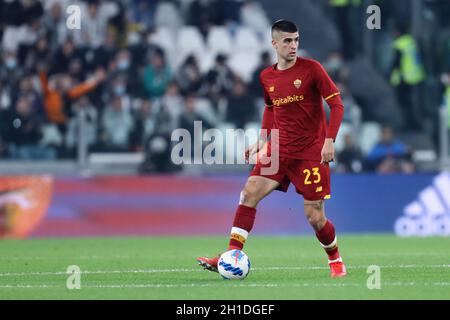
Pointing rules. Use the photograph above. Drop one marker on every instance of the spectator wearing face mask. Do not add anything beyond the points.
(116, 126)
(122, 66)
(118, 88)
(157, 75)
(10, 70)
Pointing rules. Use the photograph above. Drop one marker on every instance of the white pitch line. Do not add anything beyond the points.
(218, 284)
(58, 273)
(49, 273)
(67, 258)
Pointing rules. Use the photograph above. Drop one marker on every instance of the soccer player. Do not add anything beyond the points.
(293, 91)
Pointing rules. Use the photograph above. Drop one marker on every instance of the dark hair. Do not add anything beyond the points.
(284, 26)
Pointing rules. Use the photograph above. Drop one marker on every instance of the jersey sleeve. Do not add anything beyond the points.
(267, 100)
(324, 84)
(268, 118)
(331, 94)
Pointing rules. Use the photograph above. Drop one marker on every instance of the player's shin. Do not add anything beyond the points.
(242, 225)
(328, 240)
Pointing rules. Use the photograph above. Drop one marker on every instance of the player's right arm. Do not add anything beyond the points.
(266, 126)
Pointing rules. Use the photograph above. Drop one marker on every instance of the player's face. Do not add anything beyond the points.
(286, 44)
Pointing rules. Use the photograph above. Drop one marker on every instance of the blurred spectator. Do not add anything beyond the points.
(90, 126)
(59, 95)
(32, 56)
(12, 13)
(10, 70)
(118, 87)
(350, 159)
(55, 24)
(444, 52)
(143, 13)
(26, 89)
(22, 132)
(353, 113)
(145, 121)
(116, 126)
(407, 75)
(219, 80)
(348, 18)
(123, 66)
(336, 67)
(96, 15)
(66, 53)
(201, 14)
(189, 76)
(24, 26)
(227, 12)
(158, 155)
(31, 10)
(265, 62)
(172, 103)
(104, 55)
(190, 115)
(157, 75)
(240, 107)
(445, 79)
(390, 154)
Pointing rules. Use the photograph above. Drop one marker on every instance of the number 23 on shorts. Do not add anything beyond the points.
(315, 175)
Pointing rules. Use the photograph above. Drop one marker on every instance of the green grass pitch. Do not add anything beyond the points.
(165, 268)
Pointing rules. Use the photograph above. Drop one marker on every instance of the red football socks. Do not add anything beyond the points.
(242, 225)
(328, 240)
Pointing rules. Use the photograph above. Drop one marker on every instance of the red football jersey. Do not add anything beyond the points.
(294, 105)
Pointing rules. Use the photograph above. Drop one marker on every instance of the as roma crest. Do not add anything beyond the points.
(297, 83)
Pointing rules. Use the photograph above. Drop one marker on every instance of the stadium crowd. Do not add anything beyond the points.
(138, 69)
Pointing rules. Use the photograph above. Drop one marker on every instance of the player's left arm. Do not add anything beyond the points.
(331, 94)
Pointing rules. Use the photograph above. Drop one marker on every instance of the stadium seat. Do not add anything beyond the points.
(164, 37)
(189, 40)
(168, 15)
(244, 63)
(219, 40)
(206, 61)
(246, 40)
(370, 135)
(267, 44)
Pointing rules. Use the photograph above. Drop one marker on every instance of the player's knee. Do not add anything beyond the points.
(315, 215)
(317, 221)
(248, 197)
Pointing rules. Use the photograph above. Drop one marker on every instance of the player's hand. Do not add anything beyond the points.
(99, 75)
(327, 151)
(253, 150)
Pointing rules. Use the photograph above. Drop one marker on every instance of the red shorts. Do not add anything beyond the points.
(310, 178)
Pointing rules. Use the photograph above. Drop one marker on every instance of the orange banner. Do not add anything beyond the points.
(24, 201)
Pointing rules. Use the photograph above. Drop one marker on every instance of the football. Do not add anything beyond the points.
(234, 265)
